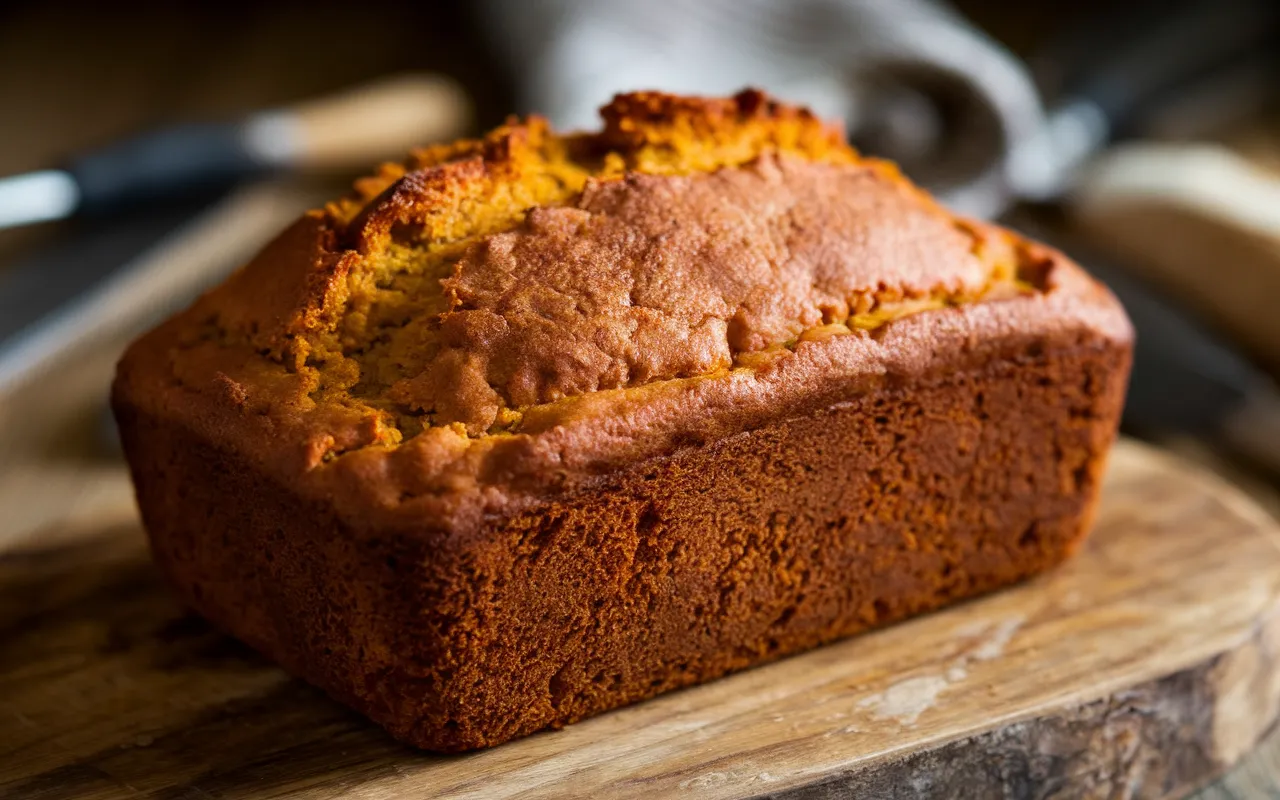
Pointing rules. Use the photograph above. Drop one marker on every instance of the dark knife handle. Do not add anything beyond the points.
(177, 162)
(336, 133)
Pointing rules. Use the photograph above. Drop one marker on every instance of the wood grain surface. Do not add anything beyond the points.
(1143, 668)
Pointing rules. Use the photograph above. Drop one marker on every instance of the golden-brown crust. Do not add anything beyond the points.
(442, 471)
(664, 573)
(502, 336)
(373, 293)
(484, 280)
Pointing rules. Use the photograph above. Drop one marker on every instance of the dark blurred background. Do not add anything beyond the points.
(75, 75)
(1141, 137)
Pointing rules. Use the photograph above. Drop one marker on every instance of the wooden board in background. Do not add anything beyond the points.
(1147, 664)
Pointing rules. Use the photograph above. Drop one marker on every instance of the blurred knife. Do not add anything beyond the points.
(350, 130)
(63, 293)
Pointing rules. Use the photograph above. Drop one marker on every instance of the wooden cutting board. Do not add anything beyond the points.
(1142, 668)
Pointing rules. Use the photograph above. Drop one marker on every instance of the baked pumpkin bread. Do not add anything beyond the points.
(535, 426)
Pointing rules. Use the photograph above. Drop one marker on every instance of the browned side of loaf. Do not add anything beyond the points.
(684, 568)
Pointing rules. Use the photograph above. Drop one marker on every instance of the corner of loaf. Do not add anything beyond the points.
(537, 425)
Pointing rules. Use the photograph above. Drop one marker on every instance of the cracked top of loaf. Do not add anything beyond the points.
(513, 313)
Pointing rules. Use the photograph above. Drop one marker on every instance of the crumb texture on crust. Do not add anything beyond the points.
(481, 279)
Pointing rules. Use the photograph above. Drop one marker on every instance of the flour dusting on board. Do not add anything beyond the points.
(906, 700)
(999, 639)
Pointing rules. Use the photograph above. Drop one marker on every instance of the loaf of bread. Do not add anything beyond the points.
(535, 426)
